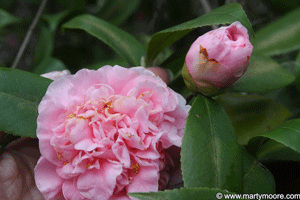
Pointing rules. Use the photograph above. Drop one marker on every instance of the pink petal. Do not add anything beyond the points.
(47, 180)
(146, 180)
(118, 77)
(70, 190)
(121, 152)
(99, 184)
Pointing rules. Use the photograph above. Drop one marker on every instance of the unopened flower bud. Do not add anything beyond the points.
(217, 59)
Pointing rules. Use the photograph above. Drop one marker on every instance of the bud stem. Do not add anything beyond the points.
(190, 97)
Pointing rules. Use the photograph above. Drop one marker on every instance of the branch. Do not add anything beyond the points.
(207, 9)
(28, 34)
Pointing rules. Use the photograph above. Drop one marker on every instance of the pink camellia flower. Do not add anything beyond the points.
(105, 133)
(218, 58)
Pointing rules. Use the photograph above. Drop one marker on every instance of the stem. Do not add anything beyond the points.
(230, 1)
(154, 17)
(189, 98)
(28, 34)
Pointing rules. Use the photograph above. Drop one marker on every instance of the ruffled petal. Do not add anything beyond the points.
(70, 190)
(99, 184)
(146, 180)
(47, 180)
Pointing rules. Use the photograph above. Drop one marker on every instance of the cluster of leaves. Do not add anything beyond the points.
(220, 132)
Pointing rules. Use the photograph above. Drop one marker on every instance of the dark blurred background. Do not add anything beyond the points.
(142, 18)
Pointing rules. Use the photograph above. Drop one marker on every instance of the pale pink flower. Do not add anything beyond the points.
(104, 133)
(220, 57)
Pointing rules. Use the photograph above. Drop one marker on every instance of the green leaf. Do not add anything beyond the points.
(287, 134)
(287, 96)
(263, 75)
(272, 151)
(20, 94)
(298, 57)
(280, 36)
(182, 194)
(43, 48)
(117, 11)
(120, 41)
(222, 15)
(256, 177)
(54, 19)
(6, 18)
(111, 62)
(252, 114)
(210, 154)
(49, 64)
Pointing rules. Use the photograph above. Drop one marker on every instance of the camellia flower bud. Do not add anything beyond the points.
(161, 73)
(217, 59)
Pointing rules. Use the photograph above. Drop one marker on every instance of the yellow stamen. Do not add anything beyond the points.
(107, 105)
(80, 117)
(135, 168)
(72, 116)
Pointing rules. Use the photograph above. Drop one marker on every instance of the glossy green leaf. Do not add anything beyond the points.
(49, 64)
(287, 134)
(43, 48)
(280, 36)
(256, 177)
(272, 151)
(120, 41)
(210, 154)
(222, 15)
(263, 75)
(117, 11)
(20, 94)
(54, 19)
(6, 18)
(182, 194)
(252, 114)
